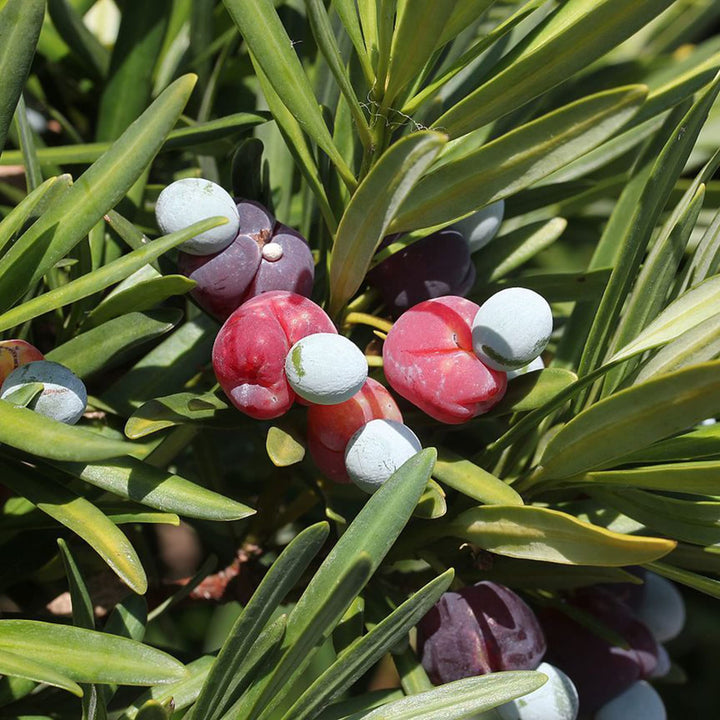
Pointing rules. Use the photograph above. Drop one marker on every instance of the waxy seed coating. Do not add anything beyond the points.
(377, 450)
(481, 227)
(325, 368)
(639, 702)
(511, 328)
(190, 200)
(63, 398)
(556, 699)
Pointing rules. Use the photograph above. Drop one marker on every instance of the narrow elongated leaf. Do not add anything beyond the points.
(157, 488)
(193, 136)
(137, 48)
(373, 207)
(706, 585)
(366, 651)
(83, 518)
(181, 693)
(701, 477)
(223, 681)
(536, 533)
(516, 160)
(474, 482)
(89, 656)
(370, 534)
(533, 390)
(693, 521)
(463, 14)
(347, 12)
(577, 34)
(462, 698)
(20, 23)
(632, 419)
(27, 430)
(692, 308)
(110, 343)
(82, 607)
(141, 296)
(94, 193)
(270, 45)
(636, 229)
(102, 277)
(15, 665)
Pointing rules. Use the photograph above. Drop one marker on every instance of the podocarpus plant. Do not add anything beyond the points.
(352, 122)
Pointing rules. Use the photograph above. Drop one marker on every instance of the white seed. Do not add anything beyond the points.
(662, 608)
(63, 398)
(377, 450)
(481, 227)
(190, 200)
(325, 369)
(536, 364)
(272, 251)
(639, 702)
(557, 699)
(511, 328)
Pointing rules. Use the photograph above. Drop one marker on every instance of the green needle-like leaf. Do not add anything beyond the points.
(88, 656)
(373, 207)
(20, 23)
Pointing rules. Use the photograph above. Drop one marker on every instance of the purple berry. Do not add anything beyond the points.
(432, 267)
(599, 669)
(480, 629)
(286, 264)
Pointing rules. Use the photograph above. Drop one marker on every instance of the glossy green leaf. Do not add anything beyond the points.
(699, 344)
(101, 278)
(26, 139)
(283, 448)
(536, 533)
(461, 698)
(153, 710)
(23, 395)
(88, 49)
(223, 682)
(87, 655)
(165, 368)
(130, 78)
(16, 665)
(141, 296)
(20, 23)
(83, 518)
(82, 607)
(105, 346)
(693, 521)
(347, 12)
(94, 193)
(578, 33)
(463, 14)
(27, 430)
(366, 651)
(509, 252)
(532, 390)
(431, 504)
(208, 409)
(192, 136)
(516, 160)
(635, 229)
(632, 419)
(709, 586)
(372, 208)
(182, 693)
(157, 488)
(471, 480)
(689, 310)
(28, 207)
(370, 535)
(269, 43)
(701, 477)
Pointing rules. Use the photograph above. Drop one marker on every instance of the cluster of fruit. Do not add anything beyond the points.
(54, 390)
(445, 354)
(488, 628)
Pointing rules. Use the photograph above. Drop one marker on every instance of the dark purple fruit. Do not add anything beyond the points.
(432, 267)
(599, 669)
(480, 629)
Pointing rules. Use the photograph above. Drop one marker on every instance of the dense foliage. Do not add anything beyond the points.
(170, 541)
